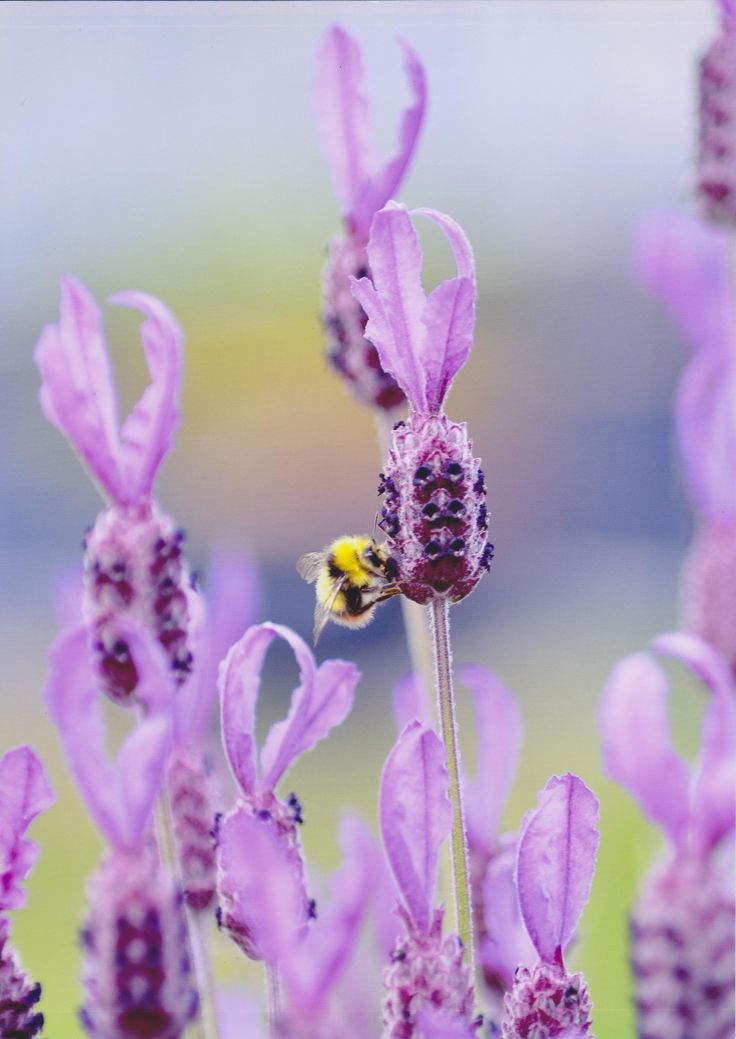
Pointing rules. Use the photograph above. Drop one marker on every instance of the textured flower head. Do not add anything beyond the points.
(716, 178)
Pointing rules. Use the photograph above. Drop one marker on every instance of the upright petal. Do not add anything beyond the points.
(411, 703)
(25, 792)
(637, 750)
(499, 732)
(556, 862)
(120, 797)
(416, 816)
(148, 432)
(77, 392)
(506, 944)
(316, 708)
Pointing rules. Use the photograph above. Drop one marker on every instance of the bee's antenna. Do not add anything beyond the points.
(375, 524)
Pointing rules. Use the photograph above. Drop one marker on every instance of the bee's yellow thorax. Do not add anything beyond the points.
(347, 555)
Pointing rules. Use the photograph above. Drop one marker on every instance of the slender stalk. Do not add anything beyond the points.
(439, 618)
(273, 1000)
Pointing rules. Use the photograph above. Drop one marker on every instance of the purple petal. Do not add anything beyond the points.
(507, 944)
(148, 432)
(500, 731)
(68, 596)
(267, 895)
(238, 1015)
(319, 962)
(556, 862)
(395, 301)
(25, 792)
(77, 392)
(637, 749)
(416, 816)
(316, 708)
(411, 702)
(119, 798)
(440, 1024)
(342, 118)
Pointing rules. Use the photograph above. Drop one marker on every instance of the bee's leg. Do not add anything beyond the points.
(388, 592)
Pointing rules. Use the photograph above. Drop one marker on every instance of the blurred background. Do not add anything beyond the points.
(171, 147)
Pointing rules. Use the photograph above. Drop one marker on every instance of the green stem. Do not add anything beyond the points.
(273, 1000)
(439, 617)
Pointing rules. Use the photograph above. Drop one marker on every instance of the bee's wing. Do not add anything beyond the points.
(323, 610)
(309, 565)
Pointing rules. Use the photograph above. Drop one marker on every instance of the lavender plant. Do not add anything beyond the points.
(716, 176)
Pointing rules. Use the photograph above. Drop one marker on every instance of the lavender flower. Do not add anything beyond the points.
(362, 189)
(427, 976)
(682, 926)
(25, 792)
(554, 872)
(716, 179)
(434, 513)
(133, 560)
(685, 264)
(136, 972)
(322, 701)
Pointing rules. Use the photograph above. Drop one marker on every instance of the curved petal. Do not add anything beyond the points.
(316, 708)
(25, 792)
(416, 816)
(120, 797)
(556, 862)
(410, 702)
(148, 432)
(77, 392)
(507, 944)
(637, 750)
(500, 733)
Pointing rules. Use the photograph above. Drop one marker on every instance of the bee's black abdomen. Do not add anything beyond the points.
(354, 600)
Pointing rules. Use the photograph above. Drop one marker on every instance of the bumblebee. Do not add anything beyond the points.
(352, 576)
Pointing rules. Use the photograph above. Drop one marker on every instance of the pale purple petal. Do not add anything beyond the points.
(319, 962)
(637, 750)
(119, 797)
(68, 596)
(316, 708)
(499, 732)
(411, 702)
(439, 1024)
(267, 896)
(556, 862)
(148, 432)
(416, 816)
(343, 118)
(25, 792)
(507, 944)
(239, 1015)
(395, 301)
(77, 392)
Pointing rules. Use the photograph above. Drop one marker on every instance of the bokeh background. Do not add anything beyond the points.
(171, 147)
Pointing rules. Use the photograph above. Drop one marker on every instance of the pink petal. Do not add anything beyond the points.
(637, 749)
(343, 118)
(507, 944)
(316, 708)
(500, 732)
(77, 392)
(25, 792)
(440, 1024)
(411, 702)
(556, 862)
(416, 816)
(148, 432)
(120, 797)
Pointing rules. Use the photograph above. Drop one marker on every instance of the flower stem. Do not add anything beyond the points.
(439, 617)
(273, 1000)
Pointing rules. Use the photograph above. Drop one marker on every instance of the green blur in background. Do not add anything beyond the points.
(171, 147)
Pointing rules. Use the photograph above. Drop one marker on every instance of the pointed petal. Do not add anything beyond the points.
(637, 750)
(500, 732)
(507, 944)
(148, 432)
(77, 392)
(395, 301)
(316, 708)
(411, 702)
(556, 862)
(343, 118)
(383, 185)
(416, 816)
(119, 797)
(25, 792)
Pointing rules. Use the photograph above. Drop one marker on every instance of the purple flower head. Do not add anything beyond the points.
(716, 178)
(434, 513)
(682, 925)
(133, 562)
(427, 972)
(19, 996)
(684, 263)
(322, 700)
(362, 189)
(555, 865)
